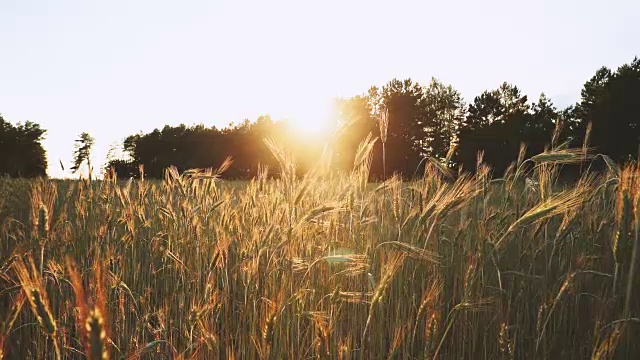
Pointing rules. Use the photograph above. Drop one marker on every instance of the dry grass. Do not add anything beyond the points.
(324, 266)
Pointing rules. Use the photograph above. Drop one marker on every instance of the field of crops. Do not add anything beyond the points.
(324, 266)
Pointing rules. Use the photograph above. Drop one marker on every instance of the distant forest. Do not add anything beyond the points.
(423, 121)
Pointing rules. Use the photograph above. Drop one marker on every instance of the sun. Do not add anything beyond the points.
(312, 125)
(308, 127)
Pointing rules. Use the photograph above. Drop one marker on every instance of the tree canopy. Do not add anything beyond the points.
(22, 154)
(82, 151)
(609, 101)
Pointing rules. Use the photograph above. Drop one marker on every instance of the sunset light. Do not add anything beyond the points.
(315, 125)
(286, 179)
(310, 128)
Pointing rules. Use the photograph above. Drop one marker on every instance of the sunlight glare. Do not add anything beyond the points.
(316, 124)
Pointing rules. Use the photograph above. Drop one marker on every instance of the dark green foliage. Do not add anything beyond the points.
(610, 102)
(422, 122)
(499, 121)
(82, 152)
(21, 151)
(198, 147)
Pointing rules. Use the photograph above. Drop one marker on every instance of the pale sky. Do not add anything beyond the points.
(113, 68)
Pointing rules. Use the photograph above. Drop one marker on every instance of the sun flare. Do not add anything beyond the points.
(312, 126)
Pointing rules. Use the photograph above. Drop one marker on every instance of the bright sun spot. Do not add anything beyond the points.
(316, 125)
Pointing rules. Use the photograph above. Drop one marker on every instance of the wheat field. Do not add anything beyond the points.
(325, 266)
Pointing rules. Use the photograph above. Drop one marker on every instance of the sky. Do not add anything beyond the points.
(114, 68)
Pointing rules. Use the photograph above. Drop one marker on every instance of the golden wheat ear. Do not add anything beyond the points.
(97, 335)
(33, 287)
(82, 309)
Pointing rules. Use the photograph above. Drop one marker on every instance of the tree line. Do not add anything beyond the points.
(413, 121)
